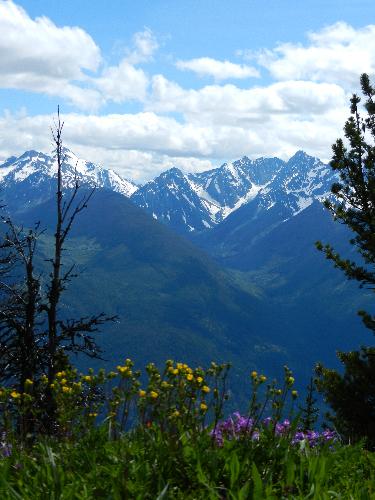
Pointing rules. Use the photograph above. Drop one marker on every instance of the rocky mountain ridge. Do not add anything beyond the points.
(188, 203)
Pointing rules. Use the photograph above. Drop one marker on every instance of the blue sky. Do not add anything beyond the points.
(151, 84)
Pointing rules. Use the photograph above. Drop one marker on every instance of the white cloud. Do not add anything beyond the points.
(338, 53)
(146, 132)
(187, 164)
(136, 146)
(39, 56)
(219, 70)
(139, 146)
(39, 46)
(121, 83)
(231, 105)
(125, 81)
(145, 45)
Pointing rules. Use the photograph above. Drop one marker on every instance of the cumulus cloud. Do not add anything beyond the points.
(136, 146)
(338, 53)
(139, 146)
(66, 62)
(44, 59)
(219, 70)
(43, 47)
(122, 82)
(125, 81)
(229, 104)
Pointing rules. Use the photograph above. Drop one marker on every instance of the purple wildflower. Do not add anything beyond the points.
(5, 447)
(238, 426)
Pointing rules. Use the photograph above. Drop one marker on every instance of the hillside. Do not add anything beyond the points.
(172, 300)
(256, 293)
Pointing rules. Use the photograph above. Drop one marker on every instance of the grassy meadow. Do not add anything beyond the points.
(169, 436)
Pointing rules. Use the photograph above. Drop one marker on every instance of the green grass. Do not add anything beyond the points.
(147, 465)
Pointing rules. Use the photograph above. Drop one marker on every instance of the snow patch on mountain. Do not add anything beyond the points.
(37, 168)
(171, 198)
(250, 195)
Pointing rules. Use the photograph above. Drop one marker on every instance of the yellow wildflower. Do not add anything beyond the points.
(63, 381)
(176, 413)
(206, 389)
(204, 407)
(28, 382)
(290, 380)
(66, 389)
(154, 394)
(60, 374)
(254, 374)
(262, 378)
(93, 414)
(199, 380)
(142, 393)
(15, 394)
(294, 394)
(189, 377)
(87, 378)
(175, 371)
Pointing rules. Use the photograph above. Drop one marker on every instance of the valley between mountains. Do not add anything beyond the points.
(217, 265)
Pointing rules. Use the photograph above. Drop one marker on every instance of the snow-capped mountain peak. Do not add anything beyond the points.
(195, 202)
(29, 179)
(171, 198)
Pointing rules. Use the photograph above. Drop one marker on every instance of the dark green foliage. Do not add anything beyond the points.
(352, 395)
(354, 195)
(309, 412)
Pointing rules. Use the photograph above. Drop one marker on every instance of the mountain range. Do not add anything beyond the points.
(196, 202)
(213, 265)
(188, 203)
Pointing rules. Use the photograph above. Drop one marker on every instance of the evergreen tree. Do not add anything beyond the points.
(354, 203)
(352, 395)
(309, 412)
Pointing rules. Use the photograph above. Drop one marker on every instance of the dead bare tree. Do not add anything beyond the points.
(35, 339)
